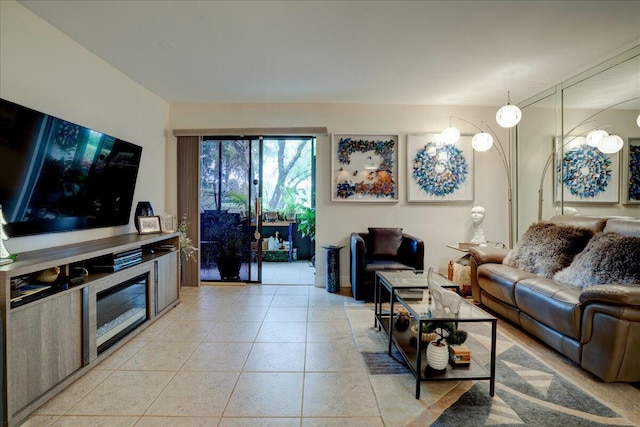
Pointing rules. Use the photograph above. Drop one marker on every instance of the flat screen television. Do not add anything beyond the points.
(59, 176)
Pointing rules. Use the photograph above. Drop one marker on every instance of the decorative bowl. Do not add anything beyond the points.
(426, 337)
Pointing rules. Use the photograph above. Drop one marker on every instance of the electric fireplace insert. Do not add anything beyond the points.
(120, 310)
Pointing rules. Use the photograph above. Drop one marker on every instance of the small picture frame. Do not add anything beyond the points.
(168, 223)
(149, 224)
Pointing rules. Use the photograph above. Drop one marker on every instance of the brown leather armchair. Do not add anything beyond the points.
(381, 249)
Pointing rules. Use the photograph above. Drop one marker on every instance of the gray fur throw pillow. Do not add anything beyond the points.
(609, 258)
(546, 248)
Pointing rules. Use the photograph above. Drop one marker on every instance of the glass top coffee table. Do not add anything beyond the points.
(387, 282)
(410, 297)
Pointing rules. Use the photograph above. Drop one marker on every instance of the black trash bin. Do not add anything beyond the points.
(333, 267)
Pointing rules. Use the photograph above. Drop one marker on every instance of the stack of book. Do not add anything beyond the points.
(459, 355)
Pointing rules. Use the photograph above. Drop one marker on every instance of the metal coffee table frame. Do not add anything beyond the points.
(413, 281)
(392, 281)
(402, 288)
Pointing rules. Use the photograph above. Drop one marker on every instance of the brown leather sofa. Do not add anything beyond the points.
(597, 327)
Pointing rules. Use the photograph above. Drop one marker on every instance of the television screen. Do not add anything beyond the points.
(59, 176)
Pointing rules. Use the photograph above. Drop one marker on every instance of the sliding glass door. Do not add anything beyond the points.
(243, 182)
(228, 188)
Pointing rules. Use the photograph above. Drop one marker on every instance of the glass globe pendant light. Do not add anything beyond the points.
(572, 143)
(610, 144)
(509, 115)
(595, 136)
(451, 135)
(481, 141)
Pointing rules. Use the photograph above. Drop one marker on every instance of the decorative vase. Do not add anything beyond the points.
(142, 209)
(229, 266)
(437, 355)
(168, 223)
(402, 321)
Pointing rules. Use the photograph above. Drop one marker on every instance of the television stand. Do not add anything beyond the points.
(51, 336)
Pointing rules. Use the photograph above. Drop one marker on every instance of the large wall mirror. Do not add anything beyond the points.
(560, 167)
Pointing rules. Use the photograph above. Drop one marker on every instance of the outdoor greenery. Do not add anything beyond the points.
(307, 222)
(226, 184)
(291, 183)
(233, 170)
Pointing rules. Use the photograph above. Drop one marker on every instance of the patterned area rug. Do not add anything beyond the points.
(528, 392)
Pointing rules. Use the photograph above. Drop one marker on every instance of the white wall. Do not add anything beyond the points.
(437, 224)
(43, 69)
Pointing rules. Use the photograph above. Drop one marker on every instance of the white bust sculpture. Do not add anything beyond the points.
(477, 217)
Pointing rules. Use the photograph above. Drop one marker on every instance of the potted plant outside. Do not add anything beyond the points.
(227, 234)
(307, 222)
(291, 207)
(307, 225)
(240, 200)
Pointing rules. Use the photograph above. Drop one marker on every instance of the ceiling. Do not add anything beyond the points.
(372, 52)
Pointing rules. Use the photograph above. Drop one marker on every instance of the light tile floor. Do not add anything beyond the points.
(229, 356)
(260, 355)
(288, 273)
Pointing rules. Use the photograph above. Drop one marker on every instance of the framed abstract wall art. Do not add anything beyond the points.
(587, 175)
(438, 172)
(364, 168)
(631, 171)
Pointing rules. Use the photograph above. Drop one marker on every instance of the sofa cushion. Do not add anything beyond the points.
(382, 265)
(385, 242)
(498, 280)
(608, 258)
(546, 248)
(550, 303)
(595, 223)
(626, 227)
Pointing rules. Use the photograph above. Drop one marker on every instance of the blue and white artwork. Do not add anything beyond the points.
(439, 172)
(632, 169)
(588, 175)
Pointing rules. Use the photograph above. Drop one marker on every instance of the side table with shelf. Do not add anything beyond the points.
(289, 225)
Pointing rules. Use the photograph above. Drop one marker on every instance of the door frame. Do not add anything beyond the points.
(188, 173)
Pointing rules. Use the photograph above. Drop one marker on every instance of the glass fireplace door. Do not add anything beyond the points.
(121, 309)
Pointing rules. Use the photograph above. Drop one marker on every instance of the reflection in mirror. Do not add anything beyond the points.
(535, 136)
(595, 180)
(579, 178)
